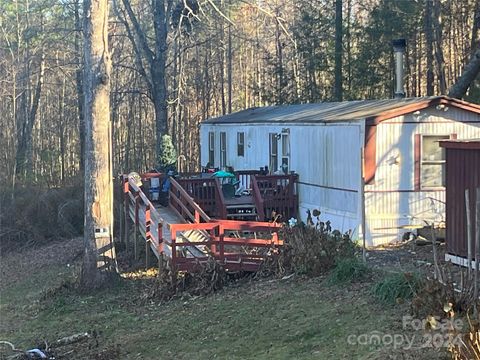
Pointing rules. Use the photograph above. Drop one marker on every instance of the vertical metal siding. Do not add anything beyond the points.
(463, 172)
(327, 155)
(392, 201)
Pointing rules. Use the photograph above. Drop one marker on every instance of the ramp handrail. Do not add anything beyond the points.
(234, 244)
(219, 237)
(180, 200)
(135, 196)
(257, 197)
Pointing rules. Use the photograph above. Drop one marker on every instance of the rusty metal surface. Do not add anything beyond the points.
(334, 111)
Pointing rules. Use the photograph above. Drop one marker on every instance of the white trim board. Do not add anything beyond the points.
(459, 260)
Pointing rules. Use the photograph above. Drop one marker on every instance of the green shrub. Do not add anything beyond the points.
(397, 287)
(349, 270)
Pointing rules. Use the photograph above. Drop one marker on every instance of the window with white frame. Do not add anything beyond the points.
(223, 149)
(285, 152)
(432, 166)
(240, 144)
(211, 148)
(273, 145)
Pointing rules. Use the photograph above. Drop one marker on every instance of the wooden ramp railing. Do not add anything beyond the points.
(235, 244)
(224, 247)
(145, 218)
(184, 204)
(206, 192)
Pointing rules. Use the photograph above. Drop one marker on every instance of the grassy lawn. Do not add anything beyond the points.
(295, 318)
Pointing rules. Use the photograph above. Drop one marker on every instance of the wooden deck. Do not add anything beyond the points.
(269, 194)
(185, 234)
(240, 200)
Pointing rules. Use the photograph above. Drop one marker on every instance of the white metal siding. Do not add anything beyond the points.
(329, 156)
(395, 203)
(325, 156)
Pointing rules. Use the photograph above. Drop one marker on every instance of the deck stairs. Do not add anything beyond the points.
(246, 212)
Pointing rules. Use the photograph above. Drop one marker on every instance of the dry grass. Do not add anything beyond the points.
(308, 250)
(468, 348)
(299, 318)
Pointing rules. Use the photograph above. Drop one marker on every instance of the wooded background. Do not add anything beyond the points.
(176, 63)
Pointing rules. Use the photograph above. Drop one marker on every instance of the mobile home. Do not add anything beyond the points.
(392, 144)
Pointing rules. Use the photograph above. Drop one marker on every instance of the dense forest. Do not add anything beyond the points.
(177, 62)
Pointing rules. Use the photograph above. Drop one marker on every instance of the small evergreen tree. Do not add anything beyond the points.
(168, 157)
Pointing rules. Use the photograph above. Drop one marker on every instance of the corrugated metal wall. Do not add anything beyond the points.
(327, 157)
(392, 201)
(463, 172)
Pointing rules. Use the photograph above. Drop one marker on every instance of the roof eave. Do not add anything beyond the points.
(441, 100)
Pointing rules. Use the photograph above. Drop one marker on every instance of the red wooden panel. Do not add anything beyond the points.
(370, 154)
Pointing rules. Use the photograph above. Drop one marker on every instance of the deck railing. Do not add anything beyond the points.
(143, 214)
(207, 193)
(258, 199)
(184, 204)
(224, 247)
(245, 177)
(270, 193)
(279, 194)
(219, 237)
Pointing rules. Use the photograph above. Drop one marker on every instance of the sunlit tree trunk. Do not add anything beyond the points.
(338, 88)
(429, 46)
(99, 249)
(439, 47)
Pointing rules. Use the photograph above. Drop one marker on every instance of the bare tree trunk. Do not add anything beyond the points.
(475, 28)
(156, 60)
(157, 71)
(79, 85)
(439, 47)
(99, 249)
(229, 67)
(470, 72)
(24, 158)
(349, 47)
(279, 64)
(338, 89)
(429, 46)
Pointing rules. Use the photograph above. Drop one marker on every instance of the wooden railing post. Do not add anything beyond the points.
(220, 203)
(148, 235)
(137, 206)
(275, 238)
(160, 247)
(257, 197)
(126, 210)
(213, 246)
(160, 235)
(221, 233)
(173, 245)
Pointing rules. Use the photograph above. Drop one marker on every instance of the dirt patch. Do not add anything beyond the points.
(406, 256)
